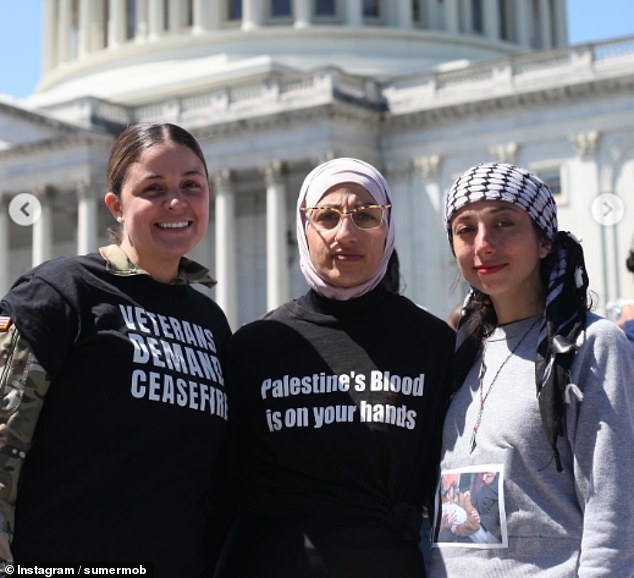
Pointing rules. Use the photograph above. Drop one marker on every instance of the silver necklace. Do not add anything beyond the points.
(484, 395)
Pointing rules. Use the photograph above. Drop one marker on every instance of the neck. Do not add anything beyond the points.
(508, 312)
(163, 271)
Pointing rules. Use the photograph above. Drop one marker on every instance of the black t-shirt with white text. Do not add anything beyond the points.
(336, 412)
(124, 455)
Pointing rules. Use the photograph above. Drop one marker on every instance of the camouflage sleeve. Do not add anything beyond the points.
(23, 385)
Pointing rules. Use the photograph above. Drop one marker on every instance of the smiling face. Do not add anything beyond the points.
(346, 256)
(163, 207)
(499, 252)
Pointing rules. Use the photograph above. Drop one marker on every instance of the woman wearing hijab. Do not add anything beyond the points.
(547, 401)
(335, 400)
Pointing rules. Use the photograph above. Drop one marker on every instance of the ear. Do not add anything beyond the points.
(113, 203)
(545, 247)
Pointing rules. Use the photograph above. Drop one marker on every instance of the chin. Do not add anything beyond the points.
(346, 284)
(177, 251)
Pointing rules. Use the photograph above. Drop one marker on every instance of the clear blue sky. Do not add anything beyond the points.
(21, 24)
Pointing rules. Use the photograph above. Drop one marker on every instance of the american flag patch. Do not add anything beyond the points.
(5, 322)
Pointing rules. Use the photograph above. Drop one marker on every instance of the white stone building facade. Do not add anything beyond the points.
(421, 88)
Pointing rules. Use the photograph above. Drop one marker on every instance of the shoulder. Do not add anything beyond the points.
(50, 279)
(266, 324)
(602, 332)
(412, 313)
(276, 330)
(205, 308)
(199, 298)
(74, 264)
(61, 267)
(603, 344)
(62, 271)
(283, 312)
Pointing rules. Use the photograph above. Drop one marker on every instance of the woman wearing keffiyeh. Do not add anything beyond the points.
(544, 394)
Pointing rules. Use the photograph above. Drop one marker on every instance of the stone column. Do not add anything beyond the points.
(156, 19)
(86, 219)
(5, 274)
(63, 31)
(225, 247)
(491, 20)
(452, 23)
(116, 23)
(203, 17)
(301, 10)
(251, 14)
(467, 17)
(43, 230)
(276, 232)
(175, 16)
(404, 14)
(49, 36)
(142, 24)
(427, 229)
(524, 23)
(545, 20)
(354, 16)
(87, 18)
(431, 16)
(561, 24)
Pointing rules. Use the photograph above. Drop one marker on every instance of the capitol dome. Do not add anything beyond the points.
(121, 50)
(422, 89)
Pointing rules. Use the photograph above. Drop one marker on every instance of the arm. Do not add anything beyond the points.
(602, 438)
(487, 504)
(628, 327)
(23, 385)
(472, 523)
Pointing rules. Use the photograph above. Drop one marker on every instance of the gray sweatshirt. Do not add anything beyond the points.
(578, 522)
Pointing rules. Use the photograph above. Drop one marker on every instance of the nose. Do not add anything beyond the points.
(346, 229)
(175, 199)
(483, 241)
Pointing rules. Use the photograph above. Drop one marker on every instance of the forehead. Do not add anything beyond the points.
(484, 208)
(158, 151)
(346, 194)
(163, 159)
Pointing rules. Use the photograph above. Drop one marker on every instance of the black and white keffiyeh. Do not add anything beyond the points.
(504, 182)
(566, 286)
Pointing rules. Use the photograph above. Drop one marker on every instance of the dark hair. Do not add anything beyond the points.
(139, 137)
(453, 319)
(629, 262)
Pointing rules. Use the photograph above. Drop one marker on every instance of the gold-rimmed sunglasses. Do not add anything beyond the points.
(364, 217)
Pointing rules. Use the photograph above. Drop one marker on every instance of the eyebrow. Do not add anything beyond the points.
(340, 206)
(492, 210)
(192, 172)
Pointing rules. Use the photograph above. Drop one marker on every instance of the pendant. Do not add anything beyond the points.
(473, 442)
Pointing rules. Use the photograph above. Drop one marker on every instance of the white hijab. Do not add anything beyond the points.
(316, 184)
